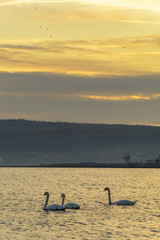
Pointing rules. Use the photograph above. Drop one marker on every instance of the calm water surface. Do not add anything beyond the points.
(21, 202)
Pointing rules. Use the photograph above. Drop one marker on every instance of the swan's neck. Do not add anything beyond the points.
(63, 199)
(45, 205)
(109, 197)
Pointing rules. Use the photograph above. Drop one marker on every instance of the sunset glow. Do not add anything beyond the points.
(85, 40)
(124, 98)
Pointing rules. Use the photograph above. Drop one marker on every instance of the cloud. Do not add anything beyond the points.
(50, 85)
(122, 97)
(86, 12)
(111, 56)
(87, 40)
(100, 14)
(62, 97)
(9, 3)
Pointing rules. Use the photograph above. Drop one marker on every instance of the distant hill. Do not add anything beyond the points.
(36, 142)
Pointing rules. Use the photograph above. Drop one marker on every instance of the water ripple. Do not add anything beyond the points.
(22, 215)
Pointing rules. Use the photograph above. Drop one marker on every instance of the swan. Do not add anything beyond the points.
(53, 207)
(69, 205)
(120, 202)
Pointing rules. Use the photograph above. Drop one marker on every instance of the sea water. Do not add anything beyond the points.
(22, 200)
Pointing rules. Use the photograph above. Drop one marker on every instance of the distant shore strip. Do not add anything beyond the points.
(91, 165)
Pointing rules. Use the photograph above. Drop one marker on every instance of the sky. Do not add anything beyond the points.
(91, 61)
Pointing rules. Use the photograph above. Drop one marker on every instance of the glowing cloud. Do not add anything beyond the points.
(122, 97)
(42, 1)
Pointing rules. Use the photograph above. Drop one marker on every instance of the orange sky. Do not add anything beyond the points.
(84, 37)
(89, 39)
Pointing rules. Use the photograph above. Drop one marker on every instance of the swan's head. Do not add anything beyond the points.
(107, 188)
(46, 193)
(62, 195)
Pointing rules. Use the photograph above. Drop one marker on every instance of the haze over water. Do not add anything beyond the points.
(22, 215)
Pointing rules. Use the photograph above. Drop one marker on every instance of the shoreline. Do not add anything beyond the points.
(88, 165)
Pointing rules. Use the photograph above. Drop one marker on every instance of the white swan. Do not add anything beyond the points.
(69, 205)
(120, 202)
(53, 207)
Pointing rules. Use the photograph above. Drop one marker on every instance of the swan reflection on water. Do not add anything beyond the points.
(69, 205)
(53, 207)
(120, 202)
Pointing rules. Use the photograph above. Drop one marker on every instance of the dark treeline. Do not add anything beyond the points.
(36, 142)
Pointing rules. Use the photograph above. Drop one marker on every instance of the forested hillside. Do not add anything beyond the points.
(34, 142)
